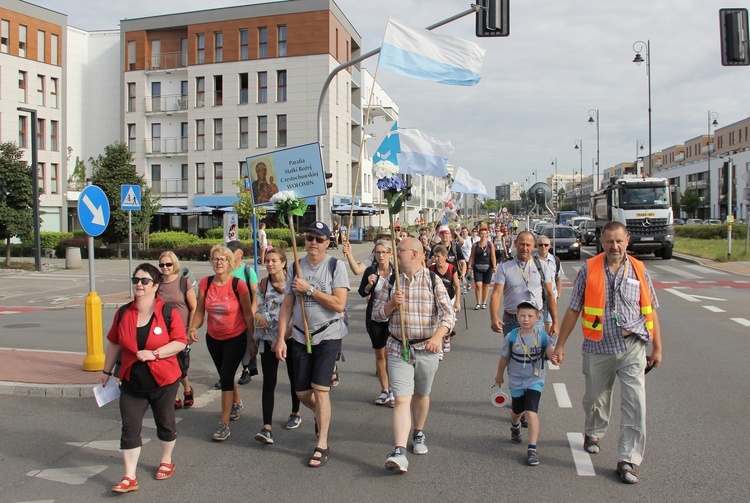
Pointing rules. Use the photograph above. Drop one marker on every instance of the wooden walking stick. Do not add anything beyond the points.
(300, 294)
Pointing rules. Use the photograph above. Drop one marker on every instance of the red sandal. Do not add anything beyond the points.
(126, 485)
(177, 404)
(189, 400)
(165, 471)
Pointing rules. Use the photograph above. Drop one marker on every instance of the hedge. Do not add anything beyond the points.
(710, 231)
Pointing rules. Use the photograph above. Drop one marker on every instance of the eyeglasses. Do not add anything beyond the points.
(166, 264)
(317, 239)
(382, 252)
(142, 281)
(219, 260)
(399, 250)
(545, 245)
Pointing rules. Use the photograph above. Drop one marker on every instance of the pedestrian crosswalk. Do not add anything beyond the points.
(693, 272)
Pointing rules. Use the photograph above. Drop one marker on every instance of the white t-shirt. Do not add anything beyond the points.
(262, 240)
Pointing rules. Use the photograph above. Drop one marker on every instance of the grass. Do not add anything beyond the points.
(714, 249)
(25, 266)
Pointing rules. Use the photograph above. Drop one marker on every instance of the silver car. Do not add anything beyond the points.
(566, 242)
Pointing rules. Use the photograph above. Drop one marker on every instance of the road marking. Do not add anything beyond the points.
(741, 321)
(705, 282)
(9, 312)
(678, 272)
(714, 309)
(206, 398)
(75, 475)
(148, 422)
(552, 366)
(690, 298)
(705, 270)
(741, 282)
(561, 393)
(103, 445)
(358, 307)
(584, 467)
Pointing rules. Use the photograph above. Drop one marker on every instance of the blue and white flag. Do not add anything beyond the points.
(388, 146)
(422, 54)
(422, 155)
(464, 183)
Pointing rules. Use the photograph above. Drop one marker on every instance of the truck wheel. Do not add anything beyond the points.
(666, 253)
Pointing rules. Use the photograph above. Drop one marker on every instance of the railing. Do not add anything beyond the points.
(356, 77)
(167, 61)
(170, 186)
(356, 115)
(166, 103)
(166, 146)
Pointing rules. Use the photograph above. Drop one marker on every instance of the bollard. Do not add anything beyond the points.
(94, 359)
(73, 258)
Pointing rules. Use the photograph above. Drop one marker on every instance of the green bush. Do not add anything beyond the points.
(82, 243)
(169, 240)
(51, 239)
(710, 231)
(18, 249)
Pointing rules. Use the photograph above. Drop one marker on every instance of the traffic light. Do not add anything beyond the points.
(734, 37)
(493, 18)
(328, 177)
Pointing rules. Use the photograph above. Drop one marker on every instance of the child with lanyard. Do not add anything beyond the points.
(523, 353)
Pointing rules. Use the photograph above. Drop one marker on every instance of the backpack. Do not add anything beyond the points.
(513, 335)
(331, 269)
(185, 273)
(449, 283)
(235, 284)
(538, 265)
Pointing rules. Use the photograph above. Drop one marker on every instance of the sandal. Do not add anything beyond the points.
(627, 475)
(323, 459)
(335, 376)
(177, 404)
(126, 485)
(189, 400)
(165, 471)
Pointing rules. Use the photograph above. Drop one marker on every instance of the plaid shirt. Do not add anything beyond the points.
(628, 295)
(426, 307)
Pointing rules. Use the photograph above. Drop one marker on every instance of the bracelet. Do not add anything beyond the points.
(107, 373)
(192, 329)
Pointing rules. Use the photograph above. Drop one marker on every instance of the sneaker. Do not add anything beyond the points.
(294, 421)
(532, 457)
(391, 399)
(264, 436)
(515, 435)
(245, 377)
(218, 384)
(222, 432)
(590, 444)
(477, 307)
(397, 462)
(382, 398)
(446, 345)
(440, 356)
(524, 422)
(236, 409)
(484, 306)
(418, 444)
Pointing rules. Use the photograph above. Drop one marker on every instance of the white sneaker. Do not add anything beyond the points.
(418, 444)
(397, 462)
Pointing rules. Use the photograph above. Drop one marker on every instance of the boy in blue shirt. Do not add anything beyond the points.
(523, 353)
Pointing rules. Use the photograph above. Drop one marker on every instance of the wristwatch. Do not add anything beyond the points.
(155, 352)
(310, 291)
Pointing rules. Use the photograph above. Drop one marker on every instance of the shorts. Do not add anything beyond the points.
(483, 276)
(315, 370)
(525, 400)
(378, 332)
(406, 378)
(546, 317)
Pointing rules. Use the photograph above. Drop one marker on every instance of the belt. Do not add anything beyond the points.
(411, 341)
(318, 330)
(509, 315)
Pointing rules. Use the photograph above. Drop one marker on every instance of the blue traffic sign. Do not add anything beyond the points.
(130, 197)
(93, 210)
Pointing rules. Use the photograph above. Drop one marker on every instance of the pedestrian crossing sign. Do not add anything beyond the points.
(130, 197)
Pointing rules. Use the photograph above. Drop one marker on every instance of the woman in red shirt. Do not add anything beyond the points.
(149, 372)
(226, 301)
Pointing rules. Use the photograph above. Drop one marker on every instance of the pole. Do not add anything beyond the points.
(299, 275)
(35, 189)
(94, 359)
(730, 213)
(130, 249)
(255, 241)
(648, 74)
(714, 116)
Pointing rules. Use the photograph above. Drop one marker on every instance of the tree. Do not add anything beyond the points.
(16, 218)
(110, 172)
(244, 205)
(77, 180)
(491, 205)
(689, 202)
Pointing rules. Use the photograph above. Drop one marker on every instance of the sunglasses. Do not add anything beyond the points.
(142, 281)
(167, 264)
(545, 245)
(317, 239)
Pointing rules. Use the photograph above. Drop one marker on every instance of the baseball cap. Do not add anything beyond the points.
(234, 245)
(443, 228)
(319, 228)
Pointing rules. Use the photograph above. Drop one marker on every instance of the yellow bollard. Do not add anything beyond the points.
(94, 360)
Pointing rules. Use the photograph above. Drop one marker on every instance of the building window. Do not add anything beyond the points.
(262, 131)
(244, 41)
(131, 95)
(262, 42)
(200, 92)
(243, 170)
(281, 130)
(218, 178)
(183, 137)
(40, 175)
(282, 41)
(200, 178)
(131, 55)
(155, 138)
(182, 184)
(4, 36)
(156, 97)
(200, 41)
(218, 47)
(54, 174)
(262, 87)
(53, 92)
(40, 45)
(40, 90)
(200, 134)
(218, 134)
(244, 131)
(40, 134)
(244, 91)
(22, 87)
(281, 86)
(218, 90)
(54, 134)
(155, 54)
(22, 131)
(156, 178)
(182, 105)
(21, 40)
(131, 137)
(54, 47)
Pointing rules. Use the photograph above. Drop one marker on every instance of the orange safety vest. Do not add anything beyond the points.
(592, 316)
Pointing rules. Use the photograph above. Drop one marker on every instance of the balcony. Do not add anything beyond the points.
(166, 104)
(166, 61)
(167, 146)
(356, 78)
(679, 157)
(356, 115)
(170, 187)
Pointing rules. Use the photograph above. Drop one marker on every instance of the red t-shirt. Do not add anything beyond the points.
(224, 318)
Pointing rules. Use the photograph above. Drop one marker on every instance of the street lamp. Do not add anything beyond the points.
(35, 190)
(556, 183)
(594, 112)
(638, 59)
(714, 116)
(579, 148)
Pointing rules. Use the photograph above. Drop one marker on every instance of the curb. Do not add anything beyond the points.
(46, 390)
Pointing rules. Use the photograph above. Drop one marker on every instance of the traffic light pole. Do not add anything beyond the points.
(35, 190)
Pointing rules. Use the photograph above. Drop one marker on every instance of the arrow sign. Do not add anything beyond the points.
(97, 211)
(93, 210)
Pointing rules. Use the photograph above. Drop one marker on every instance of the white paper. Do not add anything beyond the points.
(105, 394)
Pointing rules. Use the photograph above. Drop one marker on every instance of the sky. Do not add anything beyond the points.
(561, 60)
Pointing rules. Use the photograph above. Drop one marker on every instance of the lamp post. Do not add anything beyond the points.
(714, 116)
(536, 176)
(594, 112)
(579, 148)
(35, 189)
(556, 184)
(638, 59)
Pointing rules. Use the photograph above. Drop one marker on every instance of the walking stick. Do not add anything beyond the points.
(404, 344)
(301, 295)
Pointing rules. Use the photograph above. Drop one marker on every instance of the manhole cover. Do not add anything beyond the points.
(24, 325)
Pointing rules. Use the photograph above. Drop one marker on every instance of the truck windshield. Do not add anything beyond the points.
(644, 197)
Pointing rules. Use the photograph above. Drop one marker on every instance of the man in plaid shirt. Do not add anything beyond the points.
(427, 317)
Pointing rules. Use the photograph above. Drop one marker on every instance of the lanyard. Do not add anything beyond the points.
(615, 287)
(526, 276)
(527, 349)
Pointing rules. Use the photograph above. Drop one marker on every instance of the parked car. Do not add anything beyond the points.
(712, 221)
(566, 242)
(679, 221)
(586, 232)
(693, 221)
(539, 227)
